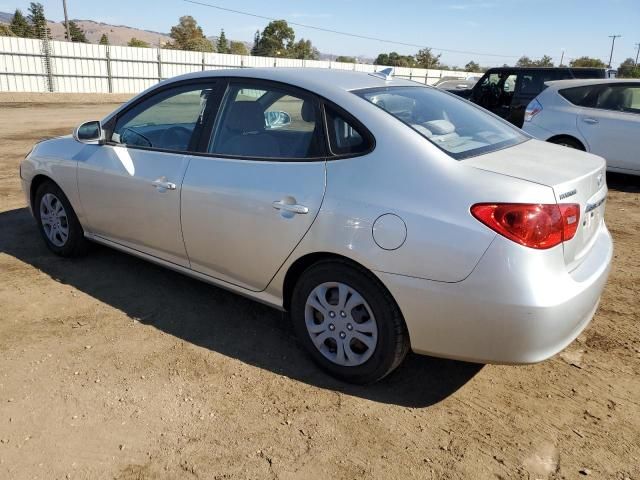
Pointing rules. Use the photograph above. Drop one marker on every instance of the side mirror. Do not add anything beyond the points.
(89, 132)
(277, 119)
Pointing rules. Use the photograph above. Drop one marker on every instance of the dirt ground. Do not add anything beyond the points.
(111, 367)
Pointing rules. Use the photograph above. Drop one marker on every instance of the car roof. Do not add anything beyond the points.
(558, 84)
(319, 80)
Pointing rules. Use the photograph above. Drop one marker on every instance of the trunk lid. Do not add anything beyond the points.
(574, 176)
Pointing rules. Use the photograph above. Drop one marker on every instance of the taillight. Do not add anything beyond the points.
(538, 226)
(532, 110)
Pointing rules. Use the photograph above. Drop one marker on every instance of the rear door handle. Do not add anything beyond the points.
(589, 120)
(290, 207)
(161, 185)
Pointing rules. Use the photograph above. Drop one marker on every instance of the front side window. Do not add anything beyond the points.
(165, 121)
(455, 126)
(267, 123)
(620, 98)
(496, 90)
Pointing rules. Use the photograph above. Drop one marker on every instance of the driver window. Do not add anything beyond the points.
(166, 121)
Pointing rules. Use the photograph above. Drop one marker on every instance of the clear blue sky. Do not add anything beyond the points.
(504, 27)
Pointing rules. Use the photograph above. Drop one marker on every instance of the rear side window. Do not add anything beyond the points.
(581, 96)
(344, 137)
(267, 122)
(532, 83)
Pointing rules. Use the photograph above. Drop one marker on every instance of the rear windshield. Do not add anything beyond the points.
(459, 128)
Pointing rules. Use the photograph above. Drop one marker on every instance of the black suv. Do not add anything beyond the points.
(506, 91)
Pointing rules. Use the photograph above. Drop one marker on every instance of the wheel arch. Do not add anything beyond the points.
(297, 268)
(36, 181)
(565, 136)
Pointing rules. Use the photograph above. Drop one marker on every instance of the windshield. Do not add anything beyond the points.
(459, 128)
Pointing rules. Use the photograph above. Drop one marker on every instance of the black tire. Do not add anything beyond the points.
(75, 244)
(567, 142)
(393, 338)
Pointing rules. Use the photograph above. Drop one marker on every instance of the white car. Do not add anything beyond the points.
(597, 116)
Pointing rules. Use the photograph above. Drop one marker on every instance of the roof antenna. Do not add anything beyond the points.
(386, 74)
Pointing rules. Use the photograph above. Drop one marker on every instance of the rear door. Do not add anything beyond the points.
(611, 127)
(254, 192)
(130, 187)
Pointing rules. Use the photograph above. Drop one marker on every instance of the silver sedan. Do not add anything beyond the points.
(381, 214)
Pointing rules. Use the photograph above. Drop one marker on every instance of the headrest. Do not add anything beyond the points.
(423, 130)
(308, 112)
(246, 117)
(440, 127)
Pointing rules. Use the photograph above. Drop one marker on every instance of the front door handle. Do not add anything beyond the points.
(589, 120)
(161, 184)
(290, 207)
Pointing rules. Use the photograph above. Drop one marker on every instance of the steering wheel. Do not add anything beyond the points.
(491, 97)
(176, 137)
(137, 134)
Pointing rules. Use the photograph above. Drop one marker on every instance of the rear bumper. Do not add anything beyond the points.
(517, 306)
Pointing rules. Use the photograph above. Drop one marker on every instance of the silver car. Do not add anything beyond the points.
(382, 215)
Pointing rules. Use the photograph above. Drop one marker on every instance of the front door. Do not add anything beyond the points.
(612, 126)
(130, 187)
(251, 199)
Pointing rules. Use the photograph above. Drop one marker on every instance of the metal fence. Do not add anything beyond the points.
(31, 65)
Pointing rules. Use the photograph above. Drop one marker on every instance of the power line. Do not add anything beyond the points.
(347, 34)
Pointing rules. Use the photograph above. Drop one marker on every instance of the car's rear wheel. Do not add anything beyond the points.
(567, 142)
(348, 322)
(57, 221)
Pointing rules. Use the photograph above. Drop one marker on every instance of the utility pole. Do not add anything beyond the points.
(637, 53)
(66, 19)
(561, 58)
(613, 43)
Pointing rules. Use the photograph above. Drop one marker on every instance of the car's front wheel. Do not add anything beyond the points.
(348, 322)
(57, 221)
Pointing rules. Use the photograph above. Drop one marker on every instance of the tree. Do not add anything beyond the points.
(223, 44)
(303, 50)
(187, 35)
(134, 42)
(38, 21)
(545, 61)
(104, 39)
(628, 69)
(587, 62)
(394, 59)
(20, 26)
(77, 34)
(426, 59)
(5, 31)
(238, 48)
(342, 58)
(256, 43)
(275, 41)
(472, 67)
(524, 61)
